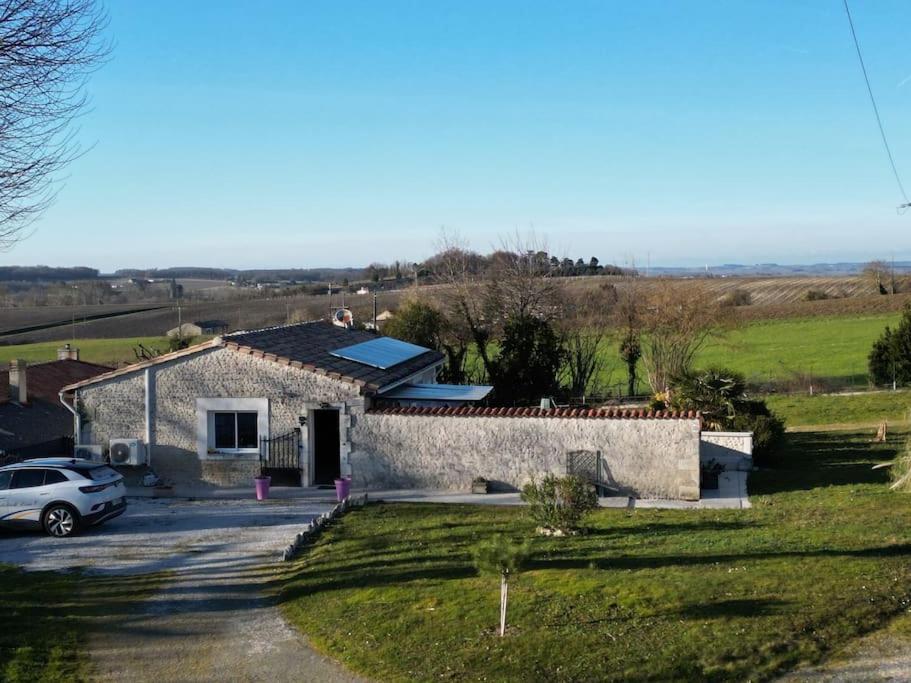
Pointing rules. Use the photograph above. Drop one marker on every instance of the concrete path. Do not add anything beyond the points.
(212, 619)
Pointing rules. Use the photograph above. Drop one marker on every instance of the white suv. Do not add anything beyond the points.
(60, 494)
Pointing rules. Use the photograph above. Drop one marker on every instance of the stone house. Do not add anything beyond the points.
(313, 401)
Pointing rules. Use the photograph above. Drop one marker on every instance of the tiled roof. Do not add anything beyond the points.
(45, 380)
(39, 421)
(596, 413)
(307, 346)
(302, 345)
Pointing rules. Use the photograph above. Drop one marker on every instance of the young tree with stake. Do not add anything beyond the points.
(499, 555)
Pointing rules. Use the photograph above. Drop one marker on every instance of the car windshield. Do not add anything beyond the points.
(102, 472)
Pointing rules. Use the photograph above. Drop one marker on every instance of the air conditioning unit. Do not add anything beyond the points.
(127, 452)
(92, 452)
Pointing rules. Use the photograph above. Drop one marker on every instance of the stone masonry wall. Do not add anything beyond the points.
(116, 408)
(727, 447)
(648, 458)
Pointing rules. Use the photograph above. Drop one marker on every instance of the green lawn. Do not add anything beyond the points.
(854, 409)
(104, 351)
(823, 557)
(46, 619)
(834, 348)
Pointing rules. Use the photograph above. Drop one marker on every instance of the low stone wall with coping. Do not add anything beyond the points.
(643, 454)
(734, 450)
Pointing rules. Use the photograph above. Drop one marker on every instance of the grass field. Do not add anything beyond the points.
(832, 349)
(104, 351)
(47, 618)
(823, 557)
(843, 409)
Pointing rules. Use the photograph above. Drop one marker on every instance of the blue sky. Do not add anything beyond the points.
(339, 133)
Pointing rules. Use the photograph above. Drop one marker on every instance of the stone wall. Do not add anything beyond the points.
(732, 449)
(116, 409)
(648, 458)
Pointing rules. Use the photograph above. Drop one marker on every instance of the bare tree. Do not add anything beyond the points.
(629, 313)
(479, 300)
(584, 329)
(48, 48)
(880, 275)
(677, 320)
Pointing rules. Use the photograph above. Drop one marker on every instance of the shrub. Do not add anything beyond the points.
(890, 357)
(738, 297)
(817, 295)
(900, 472)
(558, 504)
(767, 428)
(720, 396)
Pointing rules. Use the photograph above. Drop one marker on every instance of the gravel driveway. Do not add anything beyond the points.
(210, 621)
(159, 534)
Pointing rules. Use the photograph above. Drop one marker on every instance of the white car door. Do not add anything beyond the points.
(4, 486)
(22, 495)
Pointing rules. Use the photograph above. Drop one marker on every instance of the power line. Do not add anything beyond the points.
(879, 121)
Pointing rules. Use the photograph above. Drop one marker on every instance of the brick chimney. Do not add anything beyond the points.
(67, 352)
(18, 389)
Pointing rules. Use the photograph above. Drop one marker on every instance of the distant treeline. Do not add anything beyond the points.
(253, 275)
(45, 273)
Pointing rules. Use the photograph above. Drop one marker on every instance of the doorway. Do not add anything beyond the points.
(326, 447)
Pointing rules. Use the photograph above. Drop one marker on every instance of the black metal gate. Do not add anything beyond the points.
(280, 458)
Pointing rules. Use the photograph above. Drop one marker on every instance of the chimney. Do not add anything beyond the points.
(67, 352)
(18, 390)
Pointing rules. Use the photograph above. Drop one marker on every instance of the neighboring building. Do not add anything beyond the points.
(381, 319)
(314, 401)
(185, 331)
(198, 328)
(212, 326)
(33, 423)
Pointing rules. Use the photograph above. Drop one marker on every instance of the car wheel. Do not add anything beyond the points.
(61, 520)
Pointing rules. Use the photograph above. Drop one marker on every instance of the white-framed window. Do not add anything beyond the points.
(231, 426)
(235, 430)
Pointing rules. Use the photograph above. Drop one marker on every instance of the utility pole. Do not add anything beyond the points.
(374, 312)
(330, 301)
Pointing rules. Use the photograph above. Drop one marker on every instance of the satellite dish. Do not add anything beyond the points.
(343, 318)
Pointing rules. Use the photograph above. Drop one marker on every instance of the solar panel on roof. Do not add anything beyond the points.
(382, 352)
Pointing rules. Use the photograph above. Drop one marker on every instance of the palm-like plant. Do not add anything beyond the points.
(715, 393)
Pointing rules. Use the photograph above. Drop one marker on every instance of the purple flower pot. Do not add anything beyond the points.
(342, 488)
(262, 487)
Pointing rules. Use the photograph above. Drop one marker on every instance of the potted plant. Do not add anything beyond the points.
(262, 481)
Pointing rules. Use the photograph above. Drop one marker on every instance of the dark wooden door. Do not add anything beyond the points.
(326, 443)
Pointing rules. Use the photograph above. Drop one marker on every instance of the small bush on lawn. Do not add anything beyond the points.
(558, 504)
